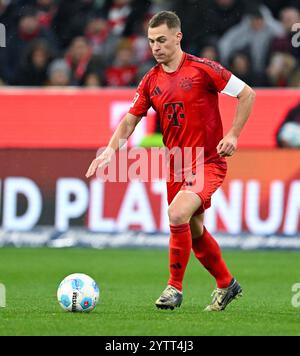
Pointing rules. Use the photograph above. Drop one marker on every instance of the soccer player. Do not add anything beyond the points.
(183, 89)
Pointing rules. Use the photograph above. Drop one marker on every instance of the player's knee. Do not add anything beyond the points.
(177, 216)
(197, 232)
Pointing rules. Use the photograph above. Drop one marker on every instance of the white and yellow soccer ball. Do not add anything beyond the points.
(78, 293)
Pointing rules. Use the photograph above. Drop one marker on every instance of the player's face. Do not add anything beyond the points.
(164, 43)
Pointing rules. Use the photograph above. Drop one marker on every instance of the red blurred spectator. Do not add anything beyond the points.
(46, 11)
(123, 72)
(97, 32)
(140, 42)
(81, 60)
(71, 18)
(142, 49)
(118, 14)
(78, 57)
(28, 30)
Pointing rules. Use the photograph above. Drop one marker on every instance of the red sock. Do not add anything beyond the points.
(208, 252)
(180, 249)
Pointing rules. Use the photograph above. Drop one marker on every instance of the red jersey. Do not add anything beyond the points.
(187, 103)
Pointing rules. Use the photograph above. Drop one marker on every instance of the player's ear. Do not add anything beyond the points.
(179, 37)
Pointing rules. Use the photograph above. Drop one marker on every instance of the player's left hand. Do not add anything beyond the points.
(227, 146)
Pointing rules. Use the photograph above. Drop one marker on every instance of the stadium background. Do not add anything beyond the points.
(68, 72)
(64, 93)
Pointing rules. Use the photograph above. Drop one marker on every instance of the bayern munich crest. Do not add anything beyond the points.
(186, 83)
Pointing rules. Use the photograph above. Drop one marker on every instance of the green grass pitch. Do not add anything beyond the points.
(131, 280)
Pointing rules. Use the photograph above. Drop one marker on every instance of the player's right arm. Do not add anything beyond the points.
(141, 104)
(118, 139)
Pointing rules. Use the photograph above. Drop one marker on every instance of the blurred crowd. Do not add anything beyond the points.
(95, 43)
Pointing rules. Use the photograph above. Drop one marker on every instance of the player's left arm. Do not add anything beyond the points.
(228, 145)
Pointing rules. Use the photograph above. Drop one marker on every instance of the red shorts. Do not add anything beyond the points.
(214, 175)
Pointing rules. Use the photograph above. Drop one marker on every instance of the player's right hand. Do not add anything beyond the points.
(99, 162)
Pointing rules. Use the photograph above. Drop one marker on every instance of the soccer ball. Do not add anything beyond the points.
(78, 293)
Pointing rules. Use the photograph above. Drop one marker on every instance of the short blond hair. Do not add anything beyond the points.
(168, 18)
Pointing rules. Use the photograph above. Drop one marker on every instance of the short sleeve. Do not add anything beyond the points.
(141, 102)
(219, 76)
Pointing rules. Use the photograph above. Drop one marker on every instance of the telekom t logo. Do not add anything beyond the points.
(175, 112)
(2, 35)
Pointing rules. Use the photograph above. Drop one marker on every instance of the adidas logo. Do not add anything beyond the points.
(156, 91)
(176, 266)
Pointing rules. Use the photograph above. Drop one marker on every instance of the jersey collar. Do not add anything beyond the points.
(179, 67)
